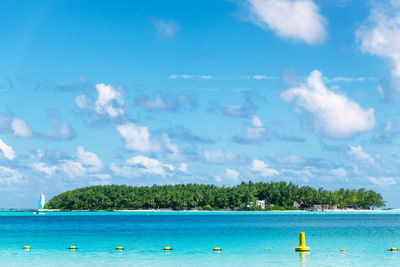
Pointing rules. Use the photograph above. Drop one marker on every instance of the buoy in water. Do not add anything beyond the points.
(119, 248)
(217, 249)
(167, 248)
(27, 247)
(343, 250)
(302, 246)
(392, 249)
(267, 250)
(72, 247)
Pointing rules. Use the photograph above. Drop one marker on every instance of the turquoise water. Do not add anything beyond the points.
(242, 236)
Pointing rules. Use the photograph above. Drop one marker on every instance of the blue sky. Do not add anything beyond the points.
(156, 92)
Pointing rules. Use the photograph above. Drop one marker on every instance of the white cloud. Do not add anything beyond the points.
(262, 168)
(290, 159)
(21, 129)
(168, 103)
(348, 79)
(62, 130)
(183, 167)
(262, 77)
(235, 110)
(307, 171)
(10, 176)
(174, 153)
(73, 168)
(256, 121)
(82, 164)
(190, 77)
(332, 114)
(137, 138)
(257, 131)
(89, 159)
(153, 104)
(379, 35)
(339, 172)
(7, 150)
(43, 167)
(149, 165)
(382, 181)
(389, 127)
(295, 19)
(142, 165)
(219, 156)
(109, 101)
(81, 101)
(358, 153)
(232, 174)
(167, 29)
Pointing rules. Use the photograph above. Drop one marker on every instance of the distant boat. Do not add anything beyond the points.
(41, 204)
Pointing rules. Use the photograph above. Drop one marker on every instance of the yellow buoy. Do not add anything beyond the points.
(302, 246)
(27, 247)
(119, 248)
(267, 250)
(392, 249)
(217, 249)
(72, 247)
(167, 248)
(343, 250)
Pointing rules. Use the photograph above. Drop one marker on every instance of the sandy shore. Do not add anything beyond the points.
(223, 211)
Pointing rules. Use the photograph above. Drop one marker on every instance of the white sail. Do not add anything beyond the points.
(41, 202)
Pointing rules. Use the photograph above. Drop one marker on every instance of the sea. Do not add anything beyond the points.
(245, 238)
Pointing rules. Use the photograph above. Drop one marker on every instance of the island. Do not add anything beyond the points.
(244, 196)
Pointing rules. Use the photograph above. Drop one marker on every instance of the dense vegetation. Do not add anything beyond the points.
(187, 196)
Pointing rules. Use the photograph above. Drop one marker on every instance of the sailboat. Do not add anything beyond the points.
(41, 204)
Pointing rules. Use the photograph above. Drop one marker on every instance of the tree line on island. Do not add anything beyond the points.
(277, 196)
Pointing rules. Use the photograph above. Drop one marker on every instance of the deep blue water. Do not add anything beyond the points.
(243, 237)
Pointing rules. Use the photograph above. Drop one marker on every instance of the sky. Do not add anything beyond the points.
(213, 92)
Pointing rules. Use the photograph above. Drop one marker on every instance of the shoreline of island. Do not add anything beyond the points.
(234, 211)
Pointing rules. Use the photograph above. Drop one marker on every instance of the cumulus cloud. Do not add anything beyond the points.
(73, 168)
(166, 103)
(61, 129)
(43, 167)
(81, 164)
(294, 19)
(166, 29)
(379, 35)
(21, 129)
(292, 159)
(89, 159)
(303, 173)
(7, 150)
(81, 101)
(262, 168)
(232, 174)
(339, 172)
(382, 181)
(137, 138)
(331, 113)
(109, 101)
(10, 176)
(359, 154)
(173, 151)
(255, 133)
(179, 132)
(142, 165)
(238, 110)
(183, 167)
(219, 156)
